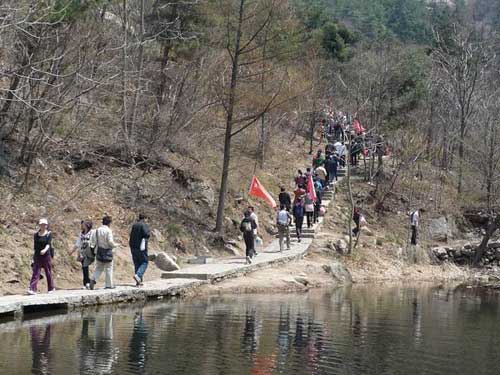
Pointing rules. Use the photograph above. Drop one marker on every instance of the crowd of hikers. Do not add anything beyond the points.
(92, 245)
(96, 245)
(311, 184)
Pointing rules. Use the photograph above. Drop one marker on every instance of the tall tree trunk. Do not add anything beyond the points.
(461, 150)
(219, 223)
(125, 130)
(138, 86)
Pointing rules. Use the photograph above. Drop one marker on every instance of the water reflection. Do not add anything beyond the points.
(138, 345)
(377, 331)
(40, 347)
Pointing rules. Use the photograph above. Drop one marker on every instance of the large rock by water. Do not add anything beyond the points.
(438, 229)
(164, 262)
(338, 271)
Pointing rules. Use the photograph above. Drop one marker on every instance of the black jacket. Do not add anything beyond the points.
(139, 231)
(285, 199)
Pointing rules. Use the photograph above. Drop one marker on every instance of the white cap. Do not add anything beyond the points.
(43, 221)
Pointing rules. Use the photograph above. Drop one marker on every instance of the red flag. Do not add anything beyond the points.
(310, 188)
(358, 128)
(259, 191)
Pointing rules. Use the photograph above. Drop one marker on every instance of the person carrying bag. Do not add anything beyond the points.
(104, 253)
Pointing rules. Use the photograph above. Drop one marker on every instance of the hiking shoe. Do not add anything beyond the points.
(288, 248)
(87, 286)
(138, 280)
(31, 292)
(299, 239)
(92, 284)
(52, 291)
(249, 260)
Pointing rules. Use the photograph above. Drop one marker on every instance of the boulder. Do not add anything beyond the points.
(202, 191)
(341, 246)
(164, 262)
(440, 252)
(302, 280)
(439, 229)
(338, 271)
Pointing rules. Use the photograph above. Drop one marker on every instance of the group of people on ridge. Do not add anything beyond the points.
(92, 245)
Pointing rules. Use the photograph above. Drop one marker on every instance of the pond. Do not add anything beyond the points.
(363, 330)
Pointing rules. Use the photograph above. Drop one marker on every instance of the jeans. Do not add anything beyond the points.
(140, 259)
(108, 269)
(284, 232)
(39, 262)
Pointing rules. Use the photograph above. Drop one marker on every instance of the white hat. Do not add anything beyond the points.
(43, 221)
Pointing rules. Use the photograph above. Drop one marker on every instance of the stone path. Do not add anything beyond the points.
(171, 284)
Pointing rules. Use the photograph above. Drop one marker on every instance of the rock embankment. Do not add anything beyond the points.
(464, 254)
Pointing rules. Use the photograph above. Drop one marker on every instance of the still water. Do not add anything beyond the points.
(366, 330)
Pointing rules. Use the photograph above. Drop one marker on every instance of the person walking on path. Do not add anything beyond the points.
(42, 244)
(255, 218)
(103, 238)
(318, 160)
(300, 179)
(414, 221)
(138, 242)
(309, 208)
(86, 250)
(285, 199)
(283, 221)
(299, 193)
(247, 227)
(322, 175)
(298, 214)
(317, 202)
(331, 165)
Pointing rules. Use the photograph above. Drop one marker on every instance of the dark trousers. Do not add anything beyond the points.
(298, 225)
(140, 259)
(413, 234)
(354, 159)
(355, 231)
(316, 212)
(250, 245)
(42, 262)
(86, 276)
(309, 217)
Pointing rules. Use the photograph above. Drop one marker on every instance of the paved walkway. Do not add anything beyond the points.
(171, 284)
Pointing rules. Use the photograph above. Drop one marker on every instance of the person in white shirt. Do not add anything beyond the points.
(255, 218)
(414, 221)
(103, 238)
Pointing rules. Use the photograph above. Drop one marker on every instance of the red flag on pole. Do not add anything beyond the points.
(259, 191)
(310, 188)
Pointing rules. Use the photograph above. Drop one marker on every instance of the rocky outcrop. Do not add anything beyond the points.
(465, 254)
(441, 229)
(339, 272)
